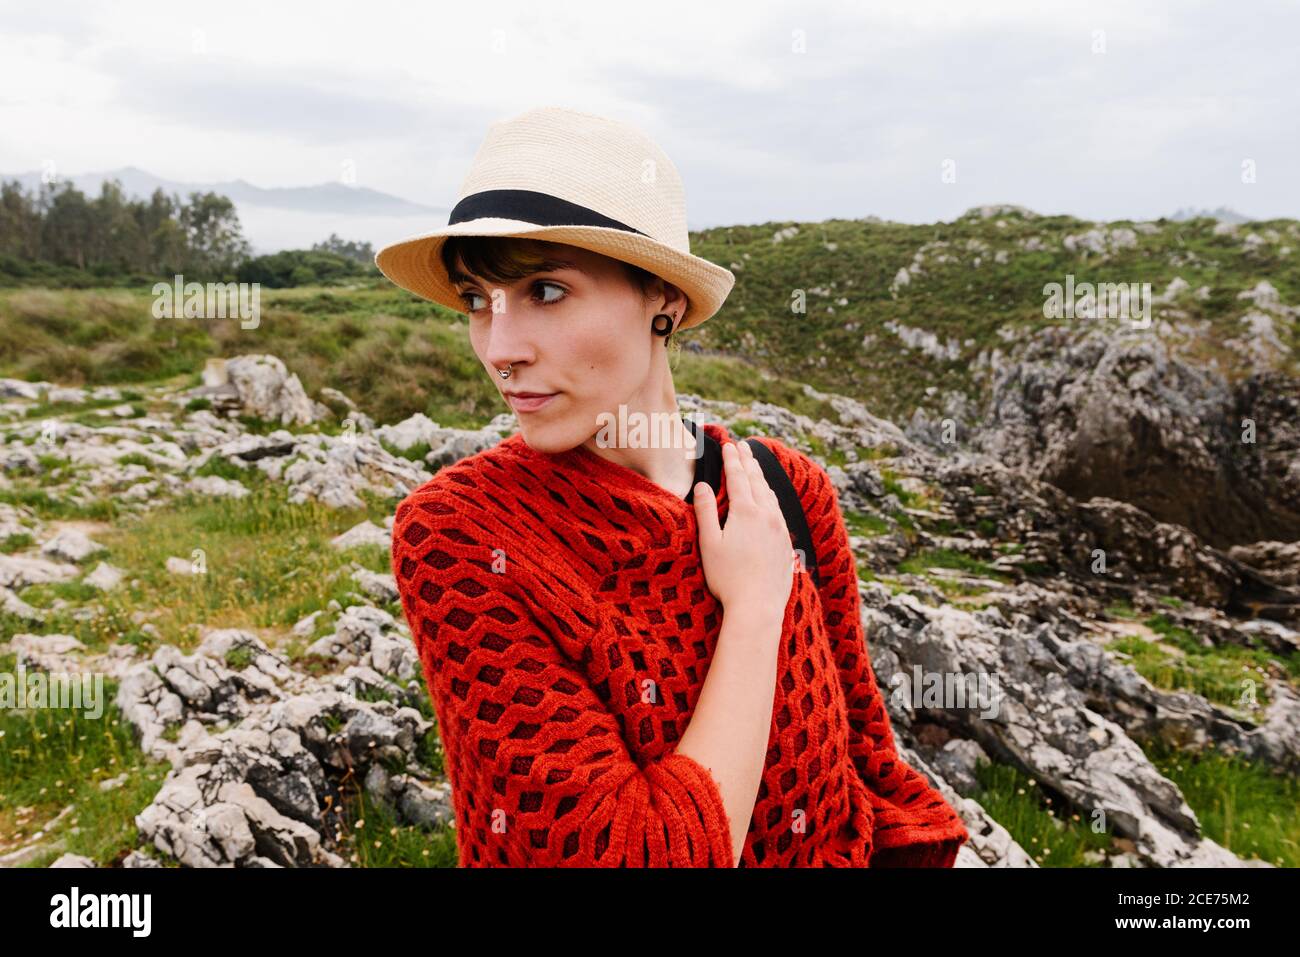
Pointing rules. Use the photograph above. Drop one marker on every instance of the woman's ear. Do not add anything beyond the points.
(674, 301)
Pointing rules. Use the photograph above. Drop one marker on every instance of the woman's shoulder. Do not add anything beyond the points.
(812, 483)
(466, 481)
(805, 471)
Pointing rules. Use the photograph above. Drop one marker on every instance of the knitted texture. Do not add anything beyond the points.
(565, 628)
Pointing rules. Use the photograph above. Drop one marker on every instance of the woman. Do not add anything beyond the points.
(629, 666)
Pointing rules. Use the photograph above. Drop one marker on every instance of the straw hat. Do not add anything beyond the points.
(565, 176)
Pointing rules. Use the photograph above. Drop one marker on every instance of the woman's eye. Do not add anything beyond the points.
(468, 297)
(547, 302)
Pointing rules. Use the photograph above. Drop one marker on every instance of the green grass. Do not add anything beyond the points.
(1226, 674)
(1049, 831)
(370, 831)
(137, 458)
(416, 453)
(816, 447)
(1246, 806)
(743, 428)
(893, 486)
(371, 835)
(946, 558)
(865, 524)
(239, 658)
(49, 507)
(1121, 609)
(52, 758)
(222, 467)
(268, 563)
(397, 354)
(1260, 661)
(391, 352)
(16, 543)
(962, 299)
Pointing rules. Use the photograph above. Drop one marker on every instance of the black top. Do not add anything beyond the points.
(708, 467)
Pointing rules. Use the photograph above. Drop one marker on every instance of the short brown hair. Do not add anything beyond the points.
(508, 258)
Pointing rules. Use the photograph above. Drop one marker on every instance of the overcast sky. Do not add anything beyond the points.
(771, 111)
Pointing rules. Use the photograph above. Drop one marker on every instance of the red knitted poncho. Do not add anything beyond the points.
(565, 628)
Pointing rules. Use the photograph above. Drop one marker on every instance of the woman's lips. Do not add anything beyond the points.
(529, 403)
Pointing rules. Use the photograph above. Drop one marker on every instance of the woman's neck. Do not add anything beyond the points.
(654, 442)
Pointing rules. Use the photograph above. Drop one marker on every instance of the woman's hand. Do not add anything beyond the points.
(750, 562)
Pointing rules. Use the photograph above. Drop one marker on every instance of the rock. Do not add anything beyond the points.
(358, 422)
(179, 566)
(365, 533)
(255, 757)
(245, 449)
(24, 390)
(19, 571)
(370, 636)
(452, 445)
(71, 545)
(216, 487)
(49, 653)
(1039, 714)
(1279, 562)
(336, 470)
(112, 784)
(261, 387)
(334, 395)
(416, 430)
(260, 744)
(1105, 543)
(382, 587)
(11, 604)
(864, 479)
(414, 800)
(17, 520)
(74, 860)
(1113, 414)
(105, 577)
(137, 859)
(1102, 241)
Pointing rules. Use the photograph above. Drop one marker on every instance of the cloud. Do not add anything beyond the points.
(857, 124)
(218, 93)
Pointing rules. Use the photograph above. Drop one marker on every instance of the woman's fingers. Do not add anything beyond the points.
(739, 491)
(751, 466)
(706, 512)
(758, 484)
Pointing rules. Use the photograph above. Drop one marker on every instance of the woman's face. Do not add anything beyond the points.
(580, 334)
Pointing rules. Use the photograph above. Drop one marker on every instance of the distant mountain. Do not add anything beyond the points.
(324, 198)
(282, 217)
(1222, 214)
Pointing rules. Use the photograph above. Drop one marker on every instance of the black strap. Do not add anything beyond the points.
(791, 507)
(708, 467)
(531, 206)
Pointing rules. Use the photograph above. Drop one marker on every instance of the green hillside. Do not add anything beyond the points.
(964, 293)
(975, 285)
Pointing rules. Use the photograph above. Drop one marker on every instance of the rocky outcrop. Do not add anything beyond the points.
(258, 749)
(1114, 414)
(1111, 546)
(988, 568)
(258, 386)
(1050, 708)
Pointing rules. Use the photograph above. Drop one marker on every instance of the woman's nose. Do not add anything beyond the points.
(507, 341)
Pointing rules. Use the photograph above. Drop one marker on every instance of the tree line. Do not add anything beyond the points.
(57, 233)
